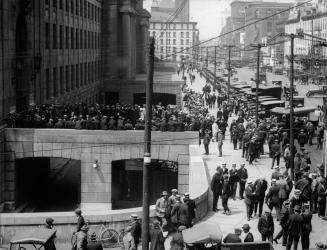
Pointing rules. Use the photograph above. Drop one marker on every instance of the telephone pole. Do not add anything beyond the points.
(257, 82)
(215, 66)
(229, 70)
(147, 147)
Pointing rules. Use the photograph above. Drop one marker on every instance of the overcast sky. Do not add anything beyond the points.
(210, 14)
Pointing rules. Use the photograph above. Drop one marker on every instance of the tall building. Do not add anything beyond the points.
(62, 51)
(175, 34)
(265, 29)
(311, 19)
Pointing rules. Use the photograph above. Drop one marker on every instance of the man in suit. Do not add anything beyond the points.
(260, 187)
(284, 216)
(224, 168)
(242, 178)
(249, 199)
(266, 226)
(216, 187)
(233, 238)
(248, 235)
(191, 209)
(322, 193)
(275, 150)
(307, 226)
(233, 179)
(294, 228)
(225, 194)
(272, 198)
(179, 213)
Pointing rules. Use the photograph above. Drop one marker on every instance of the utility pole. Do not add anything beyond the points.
(215, 66)
(257, 82)
(147, 147)
(207, 64)
(229, 70)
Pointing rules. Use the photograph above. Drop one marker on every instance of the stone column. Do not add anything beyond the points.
(144, 23)
(127, 12)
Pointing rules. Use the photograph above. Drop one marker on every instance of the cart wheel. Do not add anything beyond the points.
(109, 238)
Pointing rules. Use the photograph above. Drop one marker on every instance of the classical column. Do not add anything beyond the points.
(127, 12)
(144, 23)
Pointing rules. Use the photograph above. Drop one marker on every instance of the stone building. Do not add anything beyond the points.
(62, 51)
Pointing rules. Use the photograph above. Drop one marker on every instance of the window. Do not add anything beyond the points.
(85, 74)
(182, 42)
(81, 8)
(161, 49)
(47, 35)
(76, 7)
(81, 39)
(61, 4)
(72, 6)
(85, 39)
(67, 37)
(54, 36)
(47, 83)
(61, 37)
(55, 87)
(77, 39)
(77, 75)
(174, 41)
(161, 41)
(85, 9)
(168, 41)
(257, 14)
(62, 80)
(182, 34)
(187, 34)
(161, 34)
(187, 42)
(72, 77)
(67, 5)
(174, 34)
(72, 38)
(67, 78)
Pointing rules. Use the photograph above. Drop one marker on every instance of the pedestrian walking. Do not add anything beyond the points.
(226, 190)
(283, 190)
(272, 198)
(233, 179)
(294, 228)
(322, 193)
(179, 213)
(163, 210)
(191, 209)
(206, 141)
(266, 226)
(306, 227)
(275, 150)
(249, 199)
(242, 178)
(216, 187)
(220, 140)
(157, 240)
(260, 187)
(284, 216)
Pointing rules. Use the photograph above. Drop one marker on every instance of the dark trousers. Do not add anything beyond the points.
(252, 157)
(206, 147)
(292, 239)
(242, 188)
(282, 233)
(258, 203)
(322, 207)
(249, 210)
(235, 143)
(305, 239)
(225, 204)
(268, 237)
(245, 152)
(233, 186)
(215, 201)
(277, 158)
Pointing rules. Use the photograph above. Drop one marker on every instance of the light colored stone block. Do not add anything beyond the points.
(183, 179)
(95, 187)
(183, 169)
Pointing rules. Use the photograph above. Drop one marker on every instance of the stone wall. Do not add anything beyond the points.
(89, 146)
(12, 224)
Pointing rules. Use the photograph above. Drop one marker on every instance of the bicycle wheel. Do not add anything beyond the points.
(121, 237)
(109, 238)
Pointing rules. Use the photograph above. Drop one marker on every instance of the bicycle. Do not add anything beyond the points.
(107, 236)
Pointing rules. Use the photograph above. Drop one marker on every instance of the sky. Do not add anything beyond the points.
(210, 15)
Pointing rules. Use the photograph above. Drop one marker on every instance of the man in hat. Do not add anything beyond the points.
(284, 216)
(156, 237)
(260, 187)
(314, 191)
(224, 168)
(206, 141)
(219, 140)
(49, 223)
(179, 213)
(322, 193)
(233, 179)
(272, 198)
(275, 151)
(81, 238)
(163, 209)
(136, 229)
(276, 173)
(242, 178)
(225, 194)
(233, 238)
(248, 235)
(307, 226)
(80, 219)
(294, 228)
(216, 187)
(249, 199)
(266, 226)
(172, 198)
(302, 138)
(94, 244)
(295, 200)
(177, 241)
(304, 185)
(191, 209)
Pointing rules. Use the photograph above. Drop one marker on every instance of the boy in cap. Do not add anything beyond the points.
(80, 219)
(248, 235)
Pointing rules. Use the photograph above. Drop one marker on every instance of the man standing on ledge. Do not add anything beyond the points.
(216, 187)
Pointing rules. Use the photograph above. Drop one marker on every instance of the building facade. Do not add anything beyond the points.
(176, 41)
(61, 51)
(311, 19)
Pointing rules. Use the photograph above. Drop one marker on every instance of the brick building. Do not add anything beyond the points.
(55, 51)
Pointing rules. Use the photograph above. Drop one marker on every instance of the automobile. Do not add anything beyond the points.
(39, 238)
